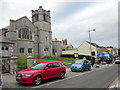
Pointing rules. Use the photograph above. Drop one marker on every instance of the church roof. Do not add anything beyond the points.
(94, 44)
(4, 30)
(5, 40)
(56, 40)
(31, 24)
(19, 18)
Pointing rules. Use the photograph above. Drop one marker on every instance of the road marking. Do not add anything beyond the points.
(115, 84)
(61, 80)
(67, 78)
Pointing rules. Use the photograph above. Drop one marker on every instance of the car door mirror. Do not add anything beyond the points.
(46, 68)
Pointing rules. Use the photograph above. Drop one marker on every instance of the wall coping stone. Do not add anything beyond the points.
(14, 57)
(30, 57)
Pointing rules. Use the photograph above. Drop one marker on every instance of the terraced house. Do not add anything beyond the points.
(29, 38)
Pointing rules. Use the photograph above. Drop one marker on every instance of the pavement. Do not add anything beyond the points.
(115, 85)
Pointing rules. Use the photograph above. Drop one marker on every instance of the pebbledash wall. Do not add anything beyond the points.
(31, 38)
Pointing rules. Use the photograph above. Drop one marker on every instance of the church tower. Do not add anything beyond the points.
(43, 37)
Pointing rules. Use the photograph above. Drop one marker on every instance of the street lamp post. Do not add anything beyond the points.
(90, 42)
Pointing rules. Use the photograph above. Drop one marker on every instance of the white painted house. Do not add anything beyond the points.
(84, 49)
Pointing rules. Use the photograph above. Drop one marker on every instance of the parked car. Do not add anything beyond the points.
(81, 65)
(117, 61)
(40, 72)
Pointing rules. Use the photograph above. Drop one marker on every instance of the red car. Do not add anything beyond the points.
(40, 72)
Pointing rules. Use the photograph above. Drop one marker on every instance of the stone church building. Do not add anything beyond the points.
(31, 38)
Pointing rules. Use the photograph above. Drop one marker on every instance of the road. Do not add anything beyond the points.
(96, 78)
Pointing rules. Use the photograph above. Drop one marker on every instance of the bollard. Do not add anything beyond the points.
(13, 65)
(30, 61)
(35, 61)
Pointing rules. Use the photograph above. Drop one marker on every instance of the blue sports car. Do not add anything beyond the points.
(81, 65)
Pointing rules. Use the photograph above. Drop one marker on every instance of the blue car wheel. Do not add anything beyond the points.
(89, 68)
(82, 69)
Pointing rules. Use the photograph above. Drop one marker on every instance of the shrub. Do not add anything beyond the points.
(68, 55)
(79, 56)
(22, 63)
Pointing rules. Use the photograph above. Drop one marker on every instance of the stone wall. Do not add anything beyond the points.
(15, 26)
(6, 63)
(10, 64)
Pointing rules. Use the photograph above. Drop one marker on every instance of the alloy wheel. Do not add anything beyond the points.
(62, 75)
(37, 80)
(82, 70)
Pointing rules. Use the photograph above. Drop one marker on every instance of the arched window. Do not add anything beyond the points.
(30, 35)
(25, 33)
(44, 17)
(19, 33)
(36, 17)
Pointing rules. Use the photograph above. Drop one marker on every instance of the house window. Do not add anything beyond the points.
(53, 51)
(46, 38)
(29, 50)
(30, 35)
(21, 50)
(6, 48)
(19, 33)
(63, 49)
(2, 48)
(93, 53)
(46, 49)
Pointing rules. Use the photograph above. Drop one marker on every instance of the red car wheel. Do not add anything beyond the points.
(37, 80)
(62, 75)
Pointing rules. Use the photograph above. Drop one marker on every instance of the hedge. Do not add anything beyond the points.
(79, 56)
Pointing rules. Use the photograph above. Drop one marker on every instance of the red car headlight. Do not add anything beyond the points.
(28, 75)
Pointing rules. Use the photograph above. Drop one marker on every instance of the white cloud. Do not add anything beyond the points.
(102, 16)
(14, 9)
(74, 27)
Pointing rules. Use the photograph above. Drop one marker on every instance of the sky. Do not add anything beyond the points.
(70, 19)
